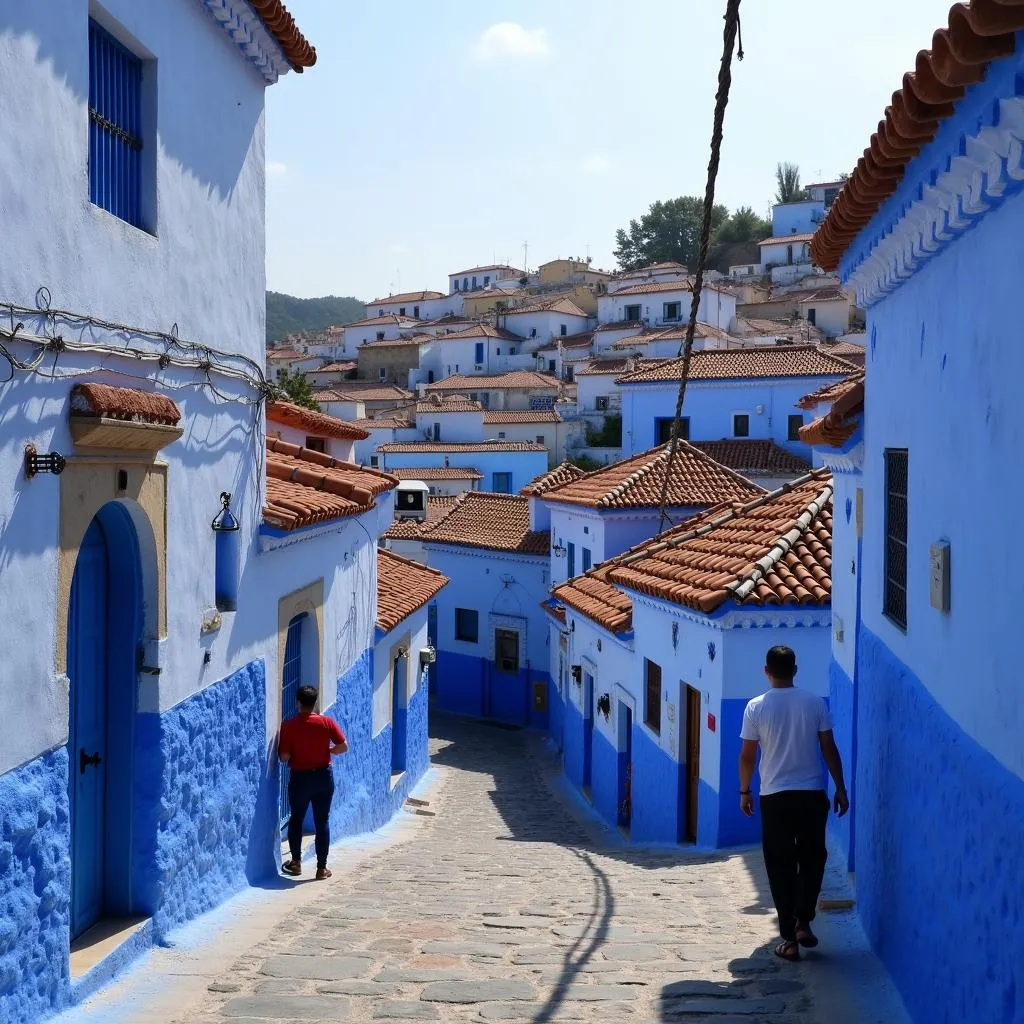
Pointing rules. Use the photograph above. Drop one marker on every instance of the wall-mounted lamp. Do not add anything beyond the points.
(599, 643)
(226, 527)
(558, 551)
(35, 463)
(604, 704)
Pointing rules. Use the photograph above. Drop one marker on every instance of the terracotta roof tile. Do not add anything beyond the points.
(123, 404)
(522, 416)
(336, 368)
(407, 297)
(789, 327)
(593, 596)
(490, 266)
(500, 522)
(306, 487)
(402, 587)
(414, 447)
(403, 342)
(438, 403)
(679, 285)
(392, 319)
(282, 26)
(563, 473)
(621, 325)
(754, 457)
(438, 506)
(480, 331)
(637, 482)
(292, 415)
(610, 365)
(384, 423)
(783, 239)
(561, 305)
(362, 391)
(495, 381)
(652, 267)
(840, 423)
(976, 33)
(830, 392)
(774, 550)
(749, 362)
(582, 339)
(701, 332)
(435, 473)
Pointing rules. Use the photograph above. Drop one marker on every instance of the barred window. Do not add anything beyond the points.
(895, 595)
(652, 701)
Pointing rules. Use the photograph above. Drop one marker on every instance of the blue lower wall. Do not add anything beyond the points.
(734, 827)
(460, 684)
(572, 752)
(468, 685)
(363, 798)
(204, 816)
(940, 850)
(35, 883)
(654, 791)
(556, 715)
(840, 688)
(604, 786)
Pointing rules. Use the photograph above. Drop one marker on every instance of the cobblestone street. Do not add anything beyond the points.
(508, 907)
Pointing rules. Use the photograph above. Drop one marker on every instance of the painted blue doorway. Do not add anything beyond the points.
(291, 680)
(399, 711)
(432, 640)
(588, 730)
(625, 802)
(104, 629)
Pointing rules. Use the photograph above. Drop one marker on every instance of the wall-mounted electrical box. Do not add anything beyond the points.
(939, 572)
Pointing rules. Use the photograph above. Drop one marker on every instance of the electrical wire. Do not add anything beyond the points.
(732, 25)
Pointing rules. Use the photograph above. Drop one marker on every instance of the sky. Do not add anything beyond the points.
(435, 136)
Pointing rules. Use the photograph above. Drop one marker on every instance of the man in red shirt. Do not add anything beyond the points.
(306, 744)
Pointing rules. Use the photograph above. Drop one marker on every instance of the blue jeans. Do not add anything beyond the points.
(314, 787)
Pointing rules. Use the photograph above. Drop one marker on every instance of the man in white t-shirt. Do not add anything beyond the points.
(794, 731)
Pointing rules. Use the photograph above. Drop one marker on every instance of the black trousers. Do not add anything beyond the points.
(304, 788)
(793, 839)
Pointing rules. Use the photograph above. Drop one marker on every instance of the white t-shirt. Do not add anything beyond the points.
(786, 722)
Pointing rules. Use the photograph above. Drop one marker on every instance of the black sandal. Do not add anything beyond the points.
(788, 949)
(805, 936)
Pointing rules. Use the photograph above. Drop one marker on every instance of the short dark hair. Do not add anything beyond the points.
(780, 662)
(307, 696)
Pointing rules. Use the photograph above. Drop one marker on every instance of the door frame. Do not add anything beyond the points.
(399, 718)
(123, 627)
(690, 741)
(587, 699)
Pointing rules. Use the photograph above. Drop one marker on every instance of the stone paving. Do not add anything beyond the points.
(508, 907)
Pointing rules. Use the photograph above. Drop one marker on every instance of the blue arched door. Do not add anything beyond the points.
(291, 680)
(104, 626)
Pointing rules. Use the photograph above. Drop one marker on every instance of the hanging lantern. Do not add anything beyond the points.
(226, 527)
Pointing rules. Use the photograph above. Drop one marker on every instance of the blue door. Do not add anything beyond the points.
(625, 764)
(291, 680)
(588, 728)
(399, 712)
(432, 635)
(87, 672)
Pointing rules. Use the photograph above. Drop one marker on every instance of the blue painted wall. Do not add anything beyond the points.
(204, 805)
(711, 405)
(844, 726)
(523, 465)
(940, 843)
(572, 757)
(655, 792)
(604, 786)
(799, 218)
(35, 880)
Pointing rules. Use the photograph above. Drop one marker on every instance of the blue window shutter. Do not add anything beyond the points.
(115, 125)
(479, 352)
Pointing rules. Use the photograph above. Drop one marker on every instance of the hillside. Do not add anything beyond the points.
(287, 314)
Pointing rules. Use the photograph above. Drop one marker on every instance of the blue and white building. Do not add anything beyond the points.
(505, 467)
(927, 236)
(657, 651)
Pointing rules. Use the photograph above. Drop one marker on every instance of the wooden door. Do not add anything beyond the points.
(693, 708)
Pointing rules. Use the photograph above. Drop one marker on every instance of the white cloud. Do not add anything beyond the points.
(509, 39)
(275, 169)
(596, 164)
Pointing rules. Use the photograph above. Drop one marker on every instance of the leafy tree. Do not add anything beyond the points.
(287, 314)
(787, 180)
(669, 231)
(736, 240)
(296, 389)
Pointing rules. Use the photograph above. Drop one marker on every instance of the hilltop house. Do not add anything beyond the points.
(421, 305)
(655, 658)
(483, 277)
(926, 236)
(666, 303)
(505, 466)
(733, 393)
(541, 321)
(827, 308)
(521, 389)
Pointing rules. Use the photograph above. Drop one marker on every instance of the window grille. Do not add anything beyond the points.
(895, 595)
(115, 117)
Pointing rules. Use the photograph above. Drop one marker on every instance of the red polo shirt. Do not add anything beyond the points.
(308, 739)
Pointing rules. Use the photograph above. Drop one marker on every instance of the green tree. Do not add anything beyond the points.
(669, 231)
(787, 181)
(736, 240)
(296, 389)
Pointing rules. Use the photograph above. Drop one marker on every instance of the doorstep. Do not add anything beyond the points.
(105, 950)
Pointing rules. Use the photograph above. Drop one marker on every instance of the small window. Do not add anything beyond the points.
(375, 461)
(497, 350)
(672, 311)
(115, 127)
(416, 312)
(533, 332)
(316, 444)
(474, 280)
(812, 316)
(540, 439)
(501, 435)
(663, 426)
(652, 696)
(632, 312)
(585, 552)
(506, 650)
(501, 483)
(512, 351)
(795, 423)
(401, 310)
(465, 284)
(380, 312)
(383, 373)
(479, 352)
(741, 425)
(467, 625)
(456, 286)
(562, 330)
(896, 479)
(601, 403)
(487, 280)
(570, 559)
(551, 366)
(437, 432)
(380, 335)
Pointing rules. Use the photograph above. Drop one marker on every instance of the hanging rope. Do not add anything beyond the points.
(732, 25)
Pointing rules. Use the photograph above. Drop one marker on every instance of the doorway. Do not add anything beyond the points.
(588, 732)
(432, 640)
(291, 680)
(399, 710)
(625, 749)
(104, 632)
(693, 707)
